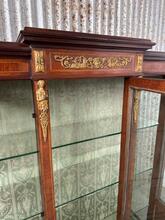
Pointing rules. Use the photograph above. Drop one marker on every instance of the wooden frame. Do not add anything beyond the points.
(42, 116)
(154, 63)
(41, 54)
(127, 156)
(156, 206)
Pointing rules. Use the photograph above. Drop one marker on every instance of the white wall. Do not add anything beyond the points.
(136, 18)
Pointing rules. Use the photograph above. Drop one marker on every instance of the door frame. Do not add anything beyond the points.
(128, 136)
(156, 207)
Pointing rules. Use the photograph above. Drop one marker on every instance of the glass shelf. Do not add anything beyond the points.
(17, 143)
(85, 167)
(88, 194)
(150, 126)
(113, 216)
(20, 195)
(37, 216)
(17, 156)
(140, 214)
(100, 204)
(143, 172)
(86, 140)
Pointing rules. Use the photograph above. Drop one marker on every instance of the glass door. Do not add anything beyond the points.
(142, 165)
(86, 128)
(20, 194)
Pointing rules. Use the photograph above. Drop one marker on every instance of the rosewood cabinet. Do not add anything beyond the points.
(82, 125)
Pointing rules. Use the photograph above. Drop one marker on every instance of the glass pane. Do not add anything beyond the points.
(145, 147)
(17, 127)
(98, 205)
(146, 133)
(86, 167)
(141, 193)
(19, 174)
(84, 109)
(19, 188)
(86, 128)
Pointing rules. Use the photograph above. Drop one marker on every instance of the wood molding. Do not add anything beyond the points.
(38, 37)
(156, 206)
(124, 150)
(14, 49)
(154, 63)
(42, 114)
(127, 152)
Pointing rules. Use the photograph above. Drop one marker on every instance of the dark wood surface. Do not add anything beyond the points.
(127, 156)
(127, 152)
(56, 70)
(38, 37)
(124, 150)
(14, 49)
(156, 205)
(14, 68)
(154, 85)
(154, 68)
(154, 56)
(14, 61)
(45, 157)
(154, 63)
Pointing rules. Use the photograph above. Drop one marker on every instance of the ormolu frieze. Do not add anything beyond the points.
(42, 104)
(38, 61)
(139, 63)
(136, 105)
(83, 62)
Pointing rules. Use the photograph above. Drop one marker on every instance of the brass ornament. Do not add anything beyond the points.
(39, 61)
(42, 103)
(136, 105)
(139, 63)
(82, 62)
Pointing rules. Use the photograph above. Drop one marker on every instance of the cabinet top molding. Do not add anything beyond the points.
(38, 37)
(154, 56)
(82, 55)
(14, 49)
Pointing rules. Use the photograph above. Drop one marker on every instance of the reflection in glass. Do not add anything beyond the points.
(19, 174)
(85, 167)
(86, 127)
(146, 133)
(84, 109)
(98, 205)
(36, 217)
(17, 127)
(19, 188)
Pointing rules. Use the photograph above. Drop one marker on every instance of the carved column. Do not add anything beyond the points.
(42, 116)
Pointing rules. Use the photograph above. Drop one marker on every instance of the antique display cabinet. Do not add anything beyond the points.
(81, 127)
